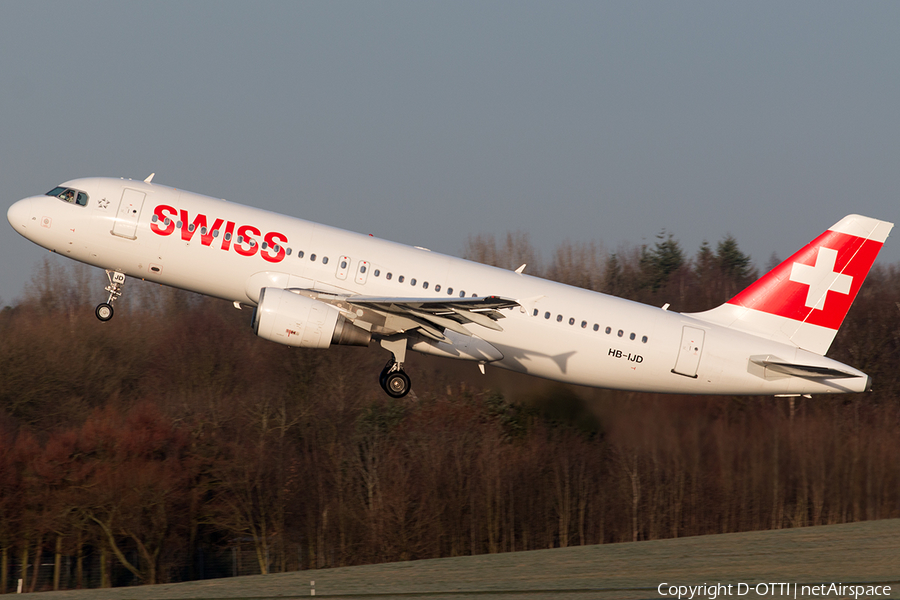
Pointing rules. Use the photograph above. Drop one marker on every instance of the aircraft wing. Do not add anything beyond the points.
(385, 315)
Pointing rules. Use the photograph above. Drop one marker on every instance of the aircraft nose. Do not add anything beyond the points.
(20, 214)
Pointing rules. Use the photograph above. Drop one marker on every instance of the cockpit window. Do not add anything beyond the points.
(69, 195)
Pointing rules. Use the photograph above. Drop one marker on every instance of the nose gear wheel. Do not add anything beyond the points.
(104, 310)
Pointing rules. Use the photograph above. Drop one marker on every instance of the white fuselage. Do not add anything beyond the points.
(560, 332)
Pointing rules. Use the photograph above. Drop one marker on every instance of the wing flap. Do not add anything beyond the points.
(432, 316)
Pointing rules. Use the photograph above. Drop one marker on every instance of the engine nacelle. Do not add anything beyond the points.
(294, 320)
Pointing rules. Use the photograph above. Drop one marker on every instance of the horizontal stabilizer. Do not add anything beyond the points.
(800, 370)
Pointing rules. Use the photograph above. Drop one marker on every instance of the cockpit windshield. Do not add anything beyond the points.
(69, 195)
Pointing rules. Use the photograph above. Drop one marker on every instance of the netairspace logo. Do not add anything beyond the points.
(791, 590)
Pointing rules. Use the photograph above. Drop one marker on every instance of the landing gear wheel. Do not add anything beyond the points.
(393, 380)
(104, 311)
(396, 384)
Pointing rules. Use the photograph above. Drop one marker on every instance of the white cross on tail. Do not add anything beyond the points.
(821, 278)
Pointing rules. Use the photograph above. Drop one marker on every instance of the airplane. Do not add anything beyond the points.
(313, 286)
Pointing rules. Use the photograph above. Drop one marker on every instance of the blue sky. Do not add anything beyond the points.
(428, 122)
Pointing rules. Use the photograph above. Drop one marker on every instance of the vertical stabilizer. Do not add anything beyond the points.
(804, 300)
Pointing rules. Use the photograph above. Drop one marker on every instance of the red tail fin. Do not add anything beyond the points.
(806, 297)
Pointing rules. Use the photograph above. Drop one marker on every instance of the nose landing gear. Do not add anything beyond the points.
(104, 310)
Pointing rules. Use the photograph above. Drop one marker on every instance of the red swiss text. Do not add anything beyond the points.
(244, 239)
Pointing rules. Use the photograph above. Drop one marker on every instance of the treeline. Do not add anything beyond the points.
(171, 444)
(646, 274)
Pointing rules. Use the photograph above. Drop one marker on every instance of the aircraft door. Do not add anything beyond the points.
(128, 213)
(362, 272)
(689, 353)
(343, 267)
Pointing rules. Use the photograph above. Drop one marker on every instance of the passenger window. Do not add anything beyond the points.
(324, 260)
(644, 339)
(632, 336)
(571, 320)
(312, 257)
(299, 253)
(547, 315)
(621, 333)
(535, 313)
(437, 288)
(449, 291)
(424, 285)
(227, 234)
(388, 276)
(344, 265)
(362, 268)
(609, 330)
(559, 318)
(401, 278)
(288, 251)
(596, 327)
(583, 324)
(462, 294)
(377, 273)
(203, 231)
(412, 282)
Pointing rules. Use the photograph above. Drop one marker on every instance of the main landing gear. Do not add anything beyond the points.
(394, 381)
(104, 310)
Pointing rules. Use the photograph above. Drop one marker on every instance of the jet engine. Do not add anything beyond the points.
(294, 320)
